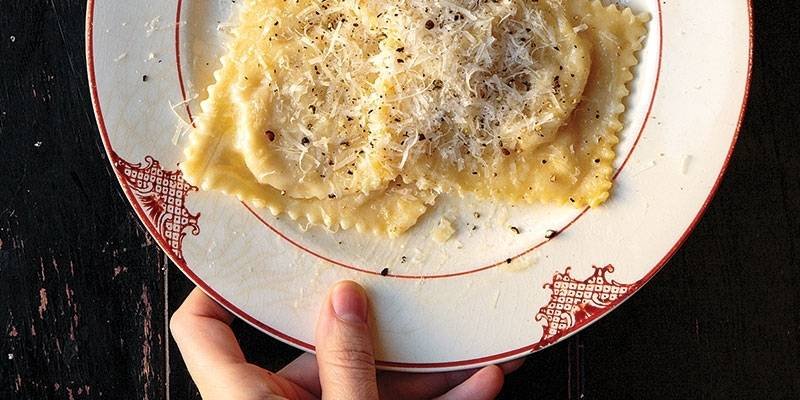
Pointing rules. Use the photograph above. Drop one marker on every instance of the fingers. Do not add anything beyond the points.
(202, 324)
(344, 345)
(485, 384)
(213, 356)
(391, 385)
(511, 366)
(401, 385)
(344, 357)
(303, 371)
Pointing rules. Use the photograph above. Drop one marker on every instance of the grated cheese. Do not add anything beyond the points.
(347, 106)
(474, 83)
(443, 231)
(308, 77)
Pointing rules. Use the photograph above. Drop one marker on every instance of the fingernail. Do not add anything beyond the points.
(349, 302)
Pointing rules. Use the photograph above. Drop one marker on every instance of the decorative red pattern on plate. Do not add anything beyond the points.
(162, 195)
(574, 301)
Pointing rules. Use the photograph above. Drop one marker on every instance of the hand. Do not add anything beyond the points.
(344, 367)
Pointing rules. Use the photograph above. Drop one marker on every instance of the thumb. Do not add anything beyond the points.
(344, 345)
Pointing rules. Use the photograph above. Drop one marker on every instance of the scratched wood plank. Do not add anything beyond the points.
(81, 302)
(83, 289)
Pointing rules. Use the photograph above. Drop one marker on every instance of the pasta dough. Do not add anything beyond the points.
(574, 164)
(348, 113)
(214, 163)
(305, 95)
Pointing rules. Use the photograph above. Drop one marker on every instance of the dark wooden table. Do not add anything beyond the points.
(85, 294)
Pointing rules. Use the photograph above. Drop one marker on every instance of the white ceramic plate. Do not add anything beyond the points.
(489, 295)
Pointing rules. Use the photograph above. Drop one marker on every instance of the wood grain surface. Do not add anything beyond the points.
(85, 293)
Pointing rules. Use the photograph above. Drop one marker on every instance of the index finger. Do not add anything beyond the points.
(203, 327)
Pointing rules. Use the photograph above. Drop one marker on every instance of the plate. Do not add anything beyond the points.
(490, 294)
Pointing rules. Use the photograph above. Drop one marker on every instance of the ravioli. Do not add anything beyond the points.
(500, 77)
(574, 164)
(213, 162)
(358, 114)
(304, 95)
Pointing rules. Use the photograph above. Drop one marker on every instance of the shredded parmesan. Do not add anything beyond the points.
(183, 126)
(350, 106)
(443, 231)
(475, 77)
(685, 161)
